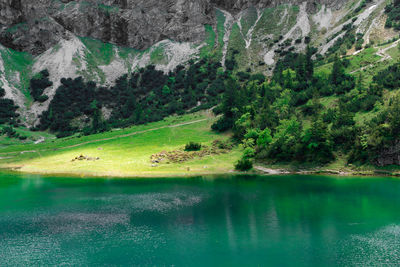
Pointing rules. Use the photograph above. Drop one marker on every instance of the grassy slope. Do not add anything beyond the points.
(17, 67)
(124, 156)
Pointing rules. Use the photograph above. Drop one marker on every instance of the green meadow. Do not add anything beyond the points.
(124, 152)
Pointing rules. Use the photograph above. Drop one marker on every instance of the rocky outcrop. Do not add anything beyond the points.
(388, 156)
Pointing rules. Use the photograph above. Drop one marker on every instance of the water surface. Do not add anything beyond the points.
(236, 221)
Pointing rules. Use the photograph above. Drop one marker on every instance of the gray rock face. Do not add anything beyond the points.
(243, 4)
(26, 26)
(36, 25)
(137, 24)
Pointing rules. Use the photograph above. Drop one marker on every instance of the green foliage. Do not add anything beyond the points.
(157, 55)
(146, 95)
(17, 63)
(281, 121)
(286, 141)
(38, 84)
(341, 81)
(317, 144)
(10, 132)
(249, 153)
(342, 44)
(389, 78)
(382, 133)
(264, 139)
(192, 146)
(244, 165)
(210, 41)
(230, 107)
(71, 100)
(393, 15)
(7, 109)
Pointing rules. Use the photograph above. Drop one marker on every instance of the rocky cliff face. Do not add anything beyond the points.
(238, 5)
(37, 25)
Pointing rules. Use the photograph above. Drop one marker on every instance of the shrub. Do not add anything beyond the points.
(192, 146)
(244, 165)
(222, 144)
(10, 132)
(222, 125)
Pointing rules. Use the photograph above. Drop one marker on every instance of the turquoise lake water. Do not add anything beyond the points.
(226, 221)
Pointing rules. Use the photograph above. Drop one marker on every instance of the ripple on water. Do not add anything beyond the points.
(56, 237)
(160, 202)
(379, 248)
(76, 238)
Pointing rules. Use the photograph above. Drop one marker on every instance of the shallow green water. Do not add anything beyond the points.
(236, 221)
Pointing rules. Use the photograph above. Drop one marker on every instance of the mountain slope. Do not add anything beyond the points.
(101, 40)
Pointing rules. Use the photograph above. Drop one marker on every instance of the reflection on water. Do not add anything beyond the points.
(288, 220)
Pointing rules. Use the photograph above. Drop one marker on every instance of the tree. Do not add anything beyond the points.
(166, 91)
(2, 92)
(317, 143)
(309, 65)
(286, 141)
(282, 105)
(264, 139)
(337, 72)
(339, 79)
(7, 109)
(38, 84)
(230, 106)
(96, 122)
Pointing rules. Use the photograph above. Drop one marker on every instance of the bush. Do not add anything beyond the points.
(244, 165)
(222, 144)
(42, 98)
(10, 132)
(222, 125)
(192, 146)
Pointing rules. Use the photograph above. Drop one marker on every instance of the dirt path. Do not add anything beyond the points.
(106, 139)
(270, 171)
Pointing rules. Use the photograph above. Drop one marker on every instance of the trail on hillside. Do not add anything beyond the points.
(382, 52)
(105, 139)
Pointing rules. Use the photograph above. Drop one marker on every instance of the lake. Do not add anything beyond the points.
(232, 220)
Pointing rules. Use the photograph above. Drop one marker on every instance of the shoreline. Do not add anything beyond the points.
(340, 173)
(258, 170)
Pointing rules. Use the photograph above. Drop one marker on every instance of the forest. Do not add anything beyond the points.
(283, 120)
(144, 96)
